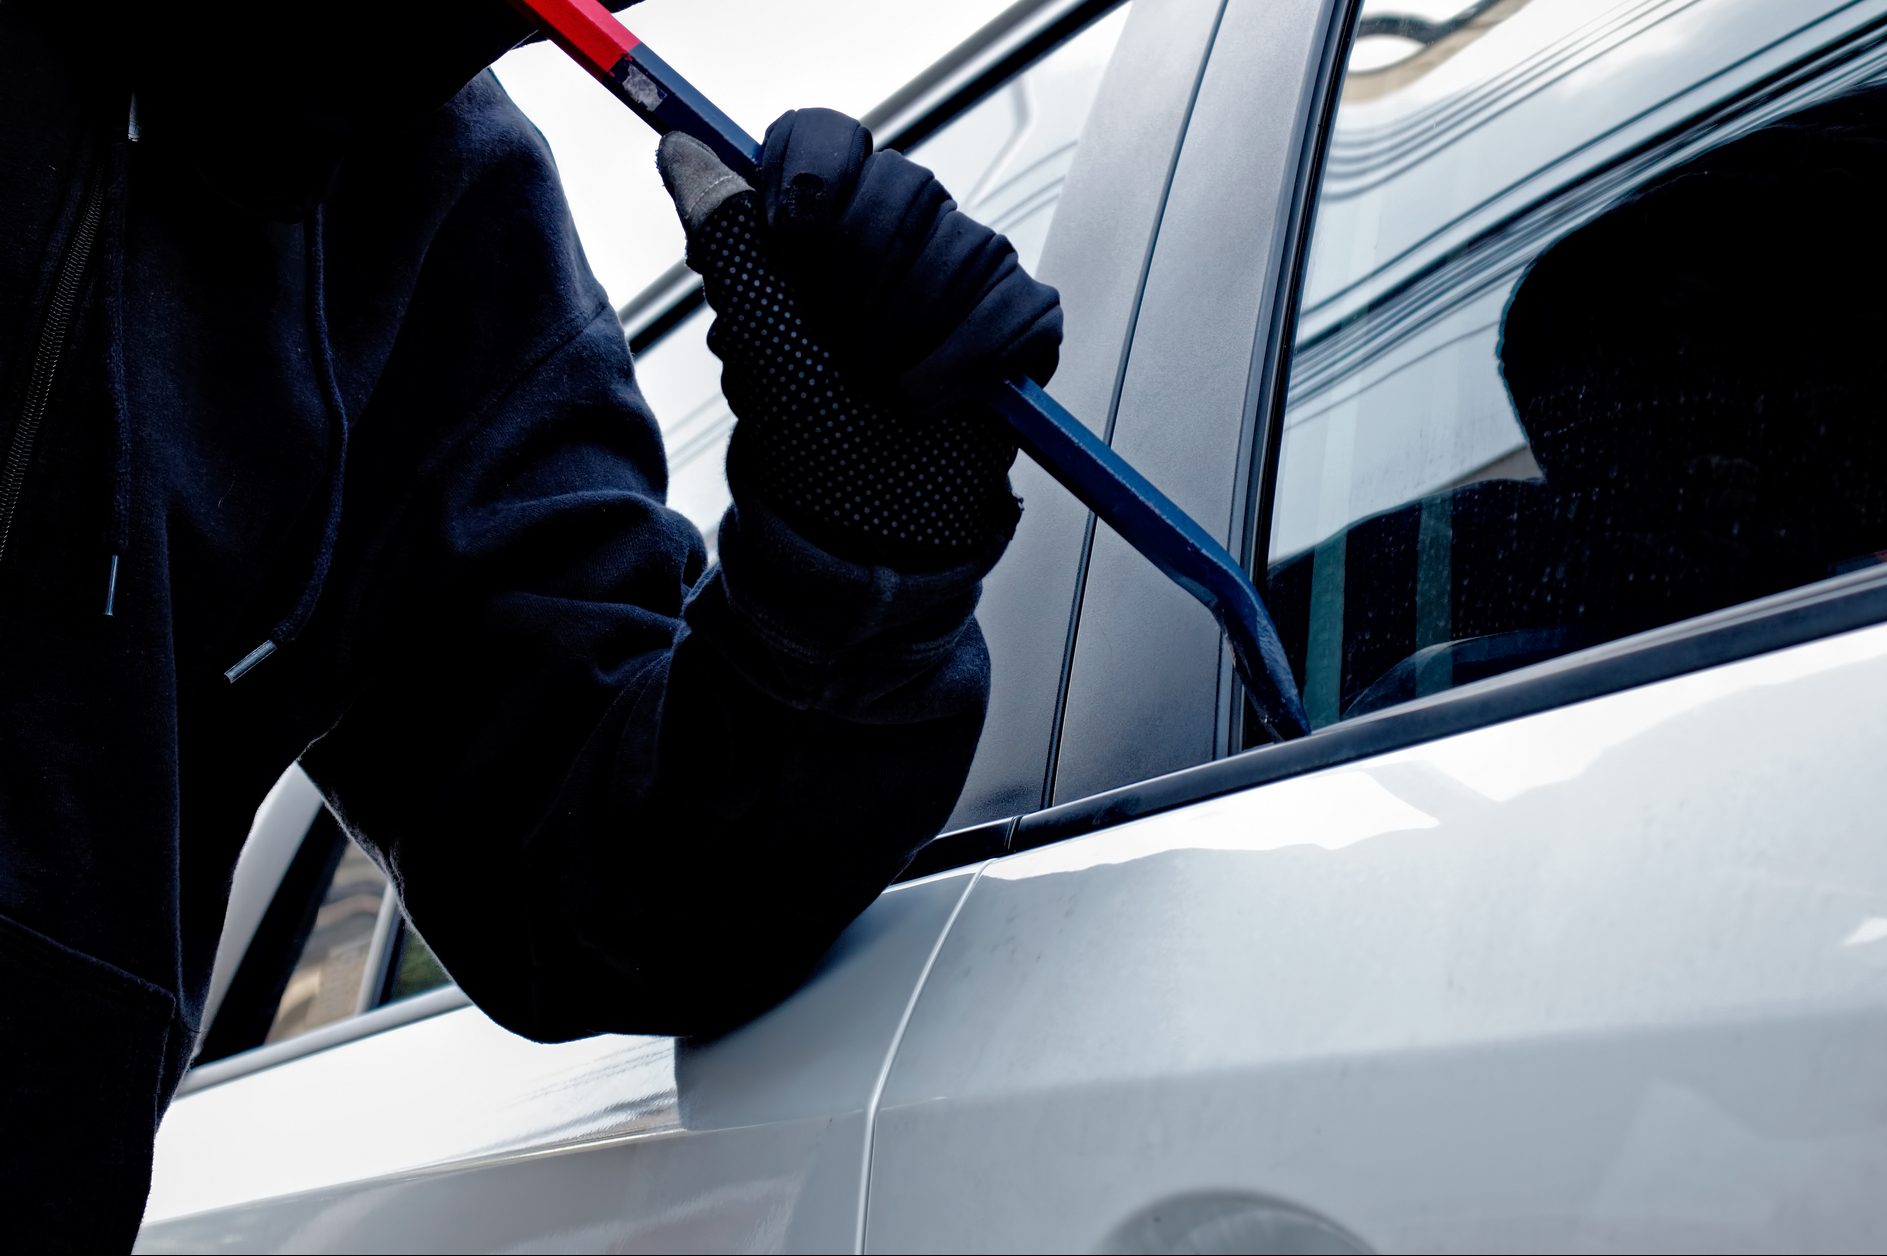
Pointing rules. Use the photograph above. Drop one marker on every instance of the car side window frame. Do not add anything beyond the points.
(1791, 617)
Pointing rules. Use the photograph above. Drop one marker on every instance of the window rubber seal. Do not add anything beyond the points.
(1268, 385)
(1125, 363)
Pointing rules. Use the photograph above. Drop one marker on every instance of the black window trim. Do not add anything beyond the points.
(1795, 617)
(1261, 440)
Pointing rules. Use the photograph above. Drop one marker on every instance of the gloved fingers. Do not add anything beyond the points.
(855, 472)
(893, 215)
(810, 165)
(958, 282)
(1002, 340)
(915, 297)
(966, 312)
(696, 180)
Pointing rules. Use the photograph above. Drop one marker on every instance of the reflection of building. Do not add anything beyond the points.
(325, 985)
(1399, 41)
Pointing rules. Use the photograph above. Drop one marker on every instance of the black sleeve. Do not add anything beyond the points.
(618, 790)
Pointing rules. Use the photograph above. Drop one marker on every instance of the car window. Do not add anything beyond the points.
(1588, 338)
(415, 968)
(359, 953)
(331, 945)
(1004, 160)
(317, 952)
(326, 984)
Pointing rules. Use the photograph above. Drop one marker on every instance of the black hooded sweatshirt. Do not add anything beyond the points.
(315, 364)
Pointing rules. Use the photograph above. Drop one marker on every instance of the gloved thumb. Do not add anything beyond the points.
(696, 179)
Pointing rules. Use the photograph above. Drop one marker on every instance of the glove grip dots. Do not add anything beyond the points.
(869, 481)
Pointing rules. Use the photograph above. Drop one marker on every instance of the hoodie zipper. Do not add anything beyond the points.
(54, 331)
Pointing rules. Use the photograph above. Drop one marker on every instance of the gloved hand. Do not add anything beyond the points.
(860, 315)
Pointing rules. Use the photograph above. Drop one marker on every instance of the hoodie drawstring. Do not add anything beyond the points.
(290, 627)
(118, 530)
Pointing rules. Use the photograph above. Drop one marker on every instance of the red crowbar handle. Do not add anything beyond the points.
(1080, 461)
(638, 78)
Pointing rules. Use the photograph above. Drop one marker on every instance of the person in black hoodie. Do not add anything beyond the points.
(321, 442)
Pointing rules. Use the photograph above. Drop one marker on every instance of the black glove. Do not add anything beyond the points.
(860, 318)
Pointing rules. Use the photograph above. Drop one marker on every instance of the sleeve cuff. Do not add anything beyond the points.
(815, 631)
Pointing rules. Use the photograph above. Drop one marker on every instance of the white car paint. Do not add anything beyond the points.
(451, 1134)
(1608, 978)
(283, 817)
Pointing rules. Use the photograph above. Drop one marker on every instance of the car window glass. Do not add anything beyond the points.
(417, 969)
(1587, 337)
(357, 953)
(1004, 160)
(326, 983)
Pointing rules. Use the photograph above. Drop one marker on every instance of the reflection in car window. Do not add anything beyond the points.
(1588, 339)
(326, 984)
(1004, 159)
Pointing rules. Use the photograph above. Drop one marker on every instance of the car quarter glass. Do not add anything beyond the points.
(326, 984)
(1587, 338)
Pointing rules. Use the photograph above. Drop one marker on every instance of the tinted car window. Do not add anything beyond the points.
(1588, 337)
(1004, 159)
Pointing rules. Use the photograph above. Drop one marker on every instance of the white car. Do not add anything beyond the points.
(1551, 937)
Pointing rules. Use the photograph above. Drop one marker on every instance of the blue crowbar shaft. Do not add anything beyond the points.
(1080, 461)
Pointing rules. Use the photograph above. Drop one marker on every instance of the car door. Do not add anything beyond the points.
(1563, 929)
(414, 1122)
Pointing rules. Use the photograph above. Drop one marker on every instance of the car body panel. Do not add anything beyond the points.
(1610, 977)
(280, 823)
(453, 1134)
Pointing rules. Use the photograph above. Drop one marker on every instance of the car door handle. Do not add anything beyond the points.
(1081, 462)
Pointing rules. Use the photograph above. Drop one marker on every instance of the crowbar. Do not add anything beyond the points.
(1079, 461)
